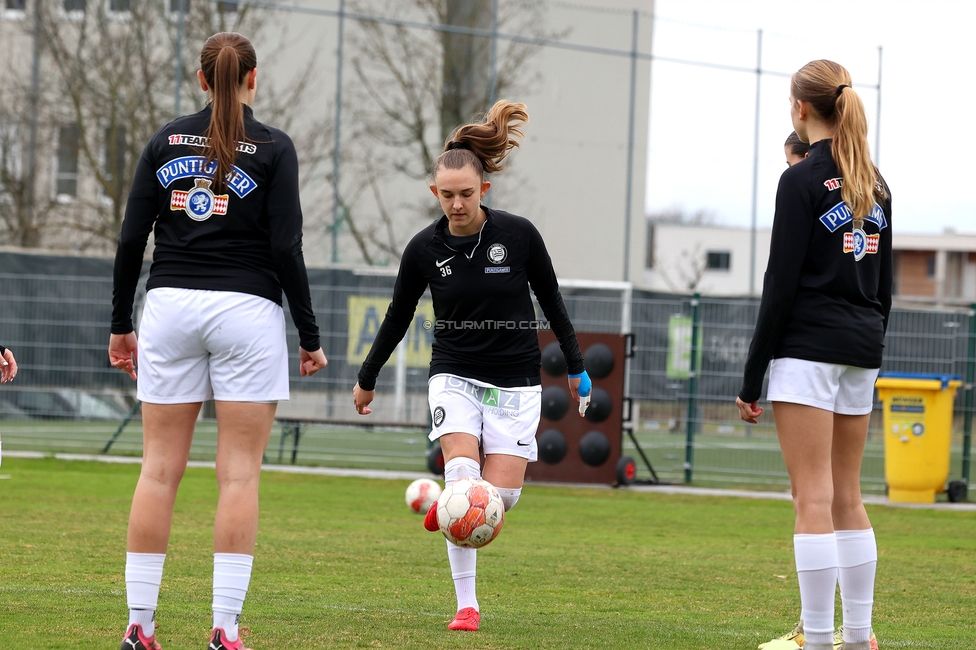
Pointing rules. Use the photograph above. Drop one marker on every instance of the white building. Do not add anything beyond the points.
(579, 175)
(716, 260)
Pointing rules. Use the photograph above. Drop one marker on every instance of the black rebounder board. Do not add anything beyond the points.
(573, 449)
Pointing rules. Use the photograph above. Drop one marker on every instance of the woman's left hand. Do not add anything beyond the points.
(581, 387)
(123, 352)
(749, 412)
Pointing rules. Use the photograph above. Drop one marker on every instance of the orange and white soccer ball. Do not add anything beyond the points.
(421, 494)
(470, 512)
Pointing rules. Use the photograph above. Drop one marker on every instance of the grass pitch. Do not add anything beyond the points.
(342, 563)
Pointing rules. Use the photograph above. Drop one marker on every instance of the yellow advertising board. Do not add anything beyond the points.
(365, 316)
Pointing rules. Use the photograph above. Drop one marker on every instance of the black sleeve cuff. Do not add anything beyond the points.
(310, 342)
(366, 383)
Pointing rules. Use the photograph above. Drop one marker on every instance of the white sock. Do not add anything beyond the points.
(232, 574)
(461, 467)
(464, 561)
(816, 569)
(143, 575)
(857, 555)
(510, 496)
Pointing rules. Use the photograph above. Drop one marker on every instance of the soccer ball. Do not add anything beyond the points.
(421, 494)
(470, 512)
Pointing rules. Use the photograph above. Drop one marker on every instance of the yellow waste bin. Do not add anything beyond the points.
(917, 433)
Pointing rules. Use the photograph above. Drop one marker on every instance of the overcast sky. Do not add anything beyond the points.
(700, 154)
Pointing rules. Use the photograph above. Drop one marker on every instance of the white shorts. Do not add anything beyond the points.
(503, 419)
(846, 390)
(196, 345)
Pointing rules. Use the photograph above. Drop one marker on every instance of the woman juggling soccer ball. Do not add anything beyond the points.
(820, 330)
(220, 192)
(480, 265)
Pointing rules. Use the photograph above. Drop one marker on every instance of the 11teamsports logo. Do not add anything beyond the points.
(199, 203)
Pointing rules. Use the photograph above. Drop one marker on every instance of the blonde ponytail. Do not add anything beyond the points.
(826, 87)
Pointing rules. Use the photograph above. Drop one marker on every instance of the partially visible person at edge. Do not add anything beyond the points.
(796, 149)
(219, 189)
(821, 327)
(480, 264)
(8, 370)
(8, 365)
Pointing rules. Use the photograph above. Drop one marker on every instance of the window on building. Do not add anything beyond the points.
(15, 5)
(718, 260)
(174, 6)
(114, 158)
(227, 6)
(74, 5)
(930, 267)
(649, 254)
(120, 6)
(66, 183)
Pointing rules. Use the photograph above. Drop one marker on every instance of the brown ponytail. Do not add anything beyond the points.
(485, 144)
(826, 86)
(225, 60)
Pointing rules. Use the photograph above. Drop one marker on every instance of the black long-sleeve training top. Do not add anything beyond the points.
(484, 315)
(827, 289)
(247, 239)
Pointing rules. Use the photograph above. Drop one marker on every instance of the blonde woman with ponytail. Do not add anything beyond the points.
(480, 264)
(821, 328)
(219, 189)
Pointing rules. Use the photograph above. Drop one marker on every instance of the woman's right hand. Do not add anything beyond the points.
(310, 363)
(361, 398)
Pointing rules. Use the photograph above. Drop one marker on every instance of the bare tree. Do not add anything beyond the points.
(22, 220)
(414, 86)
(108, 77)
(688, 270)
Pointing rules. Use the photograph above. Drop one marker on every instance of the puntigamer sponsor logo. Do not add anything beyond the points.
(190, 166)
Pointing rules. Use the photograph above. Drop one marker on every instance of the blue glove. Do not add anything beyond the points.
(585, 386)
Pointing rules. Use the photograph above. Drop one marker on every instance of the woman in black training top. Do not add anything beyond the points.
(485, 382)
(822, 321)
(220, 191)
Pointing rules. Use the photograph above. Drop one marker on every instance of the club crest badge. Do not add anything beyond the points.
(860, 244)
(199, 203)
(497, 253)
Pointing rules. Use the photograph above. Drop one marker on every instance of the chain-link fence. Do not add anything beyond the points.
(56, 311)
